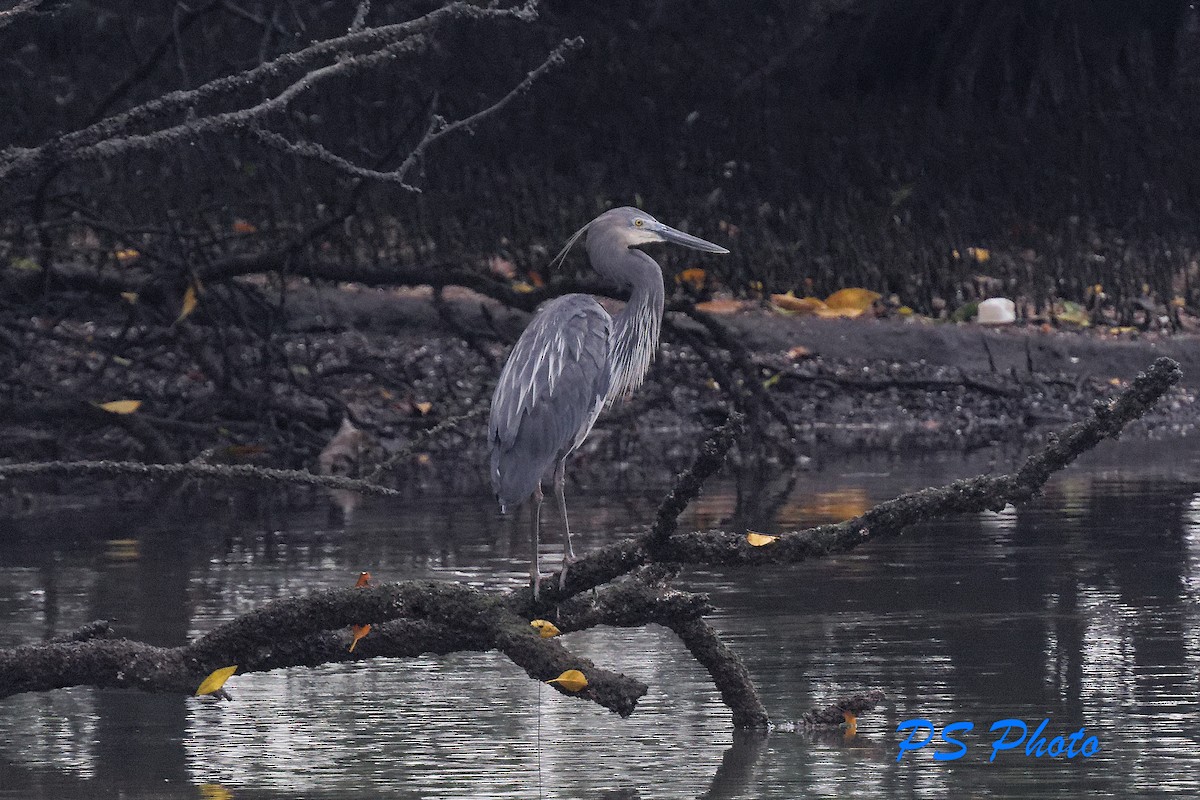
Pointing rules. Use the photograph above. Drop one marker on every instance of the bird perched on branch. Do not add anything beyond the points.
(573, 360)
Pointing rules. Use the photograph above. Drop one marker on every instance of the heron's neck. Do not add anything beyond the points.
(636, 327)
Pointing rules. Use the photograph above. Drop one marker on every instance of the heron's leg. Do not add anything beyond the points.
(560, 480)
(536, 513)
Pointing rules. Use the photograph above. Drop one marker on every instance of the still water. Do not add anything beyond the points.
(1083, 607)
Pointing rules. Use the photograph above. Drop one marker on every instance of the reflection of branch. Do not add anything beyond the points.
(886, 519)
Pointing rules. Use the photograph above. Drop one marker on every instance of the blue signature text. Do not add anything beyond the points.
(1012, 733)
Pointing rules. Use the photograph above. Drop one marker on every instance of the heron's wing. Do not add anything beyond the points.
(550, 392)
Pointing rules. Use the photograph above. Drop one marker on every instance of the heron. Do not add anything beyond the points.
(572, 361)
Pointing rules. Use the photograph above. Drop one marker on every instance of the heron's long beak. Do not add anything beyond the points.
(686, 239)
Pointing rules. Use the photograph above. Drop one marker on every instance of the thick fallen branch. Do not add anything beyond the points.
(424, 616)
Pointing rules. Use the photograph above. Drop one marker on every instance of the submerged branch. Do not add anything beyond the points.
(239, 473)
(633, 575)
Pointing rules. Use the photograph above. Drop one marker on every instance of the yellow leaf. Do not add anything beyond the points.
(214, 791)
(572, 680)
(130, 297)
(905, 311)
(980, 254)
(216, 680)
(522, 287)
(545, 628)
(25, 264)
(127, 255)
(852, 299)
(190, 299)
(358, 631)
(424, 408)
(241, 226)
(771, 381)
(801, 305)
(759, 539)
(121, 406)
(423, 459)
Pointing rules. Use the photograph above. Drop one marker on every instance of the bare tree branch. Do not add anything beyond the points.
(115, 135)
(11, 15)
(438, 128)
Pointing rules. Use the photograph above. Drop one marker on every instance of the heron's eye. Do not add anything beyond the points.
(639, 222)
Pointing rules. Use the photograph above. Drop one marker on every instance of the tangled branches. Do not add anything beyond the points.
(632, 579)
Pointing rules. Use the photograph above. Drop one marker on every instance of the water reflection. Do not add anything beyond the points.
(1081, 607)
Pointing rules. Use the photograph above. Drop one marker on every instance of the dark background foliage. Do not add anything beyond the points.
(849, 143)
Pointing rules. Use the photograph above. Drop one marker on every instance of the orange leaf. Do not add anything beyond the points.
(424, 408)
(358, 631)
(364, 578)
(693, 278)
(241, 226)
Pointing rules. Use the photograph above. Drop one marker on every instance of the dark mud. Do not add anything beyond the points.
(418, 378)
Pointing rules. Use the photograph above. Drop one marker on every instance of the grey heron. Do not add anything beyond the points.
(573, 360)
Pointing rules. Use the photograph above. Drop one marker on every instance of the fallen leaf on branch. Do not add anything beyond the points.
(130, 297)
(545, 628)
(121, 406)
(759, 539)
(572, 680)
(215, 680)
(214, 791)
(358, 632)
(127, 255)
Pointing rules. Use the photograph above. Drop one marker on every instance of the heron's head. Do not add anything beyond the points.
(634, 227)
(630, 227)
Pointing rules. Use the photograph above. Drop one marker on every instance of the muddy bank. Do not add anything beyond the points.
(417, 378)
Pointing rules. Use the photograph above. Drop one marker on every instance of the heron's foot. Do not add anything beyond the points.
(568, 560)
